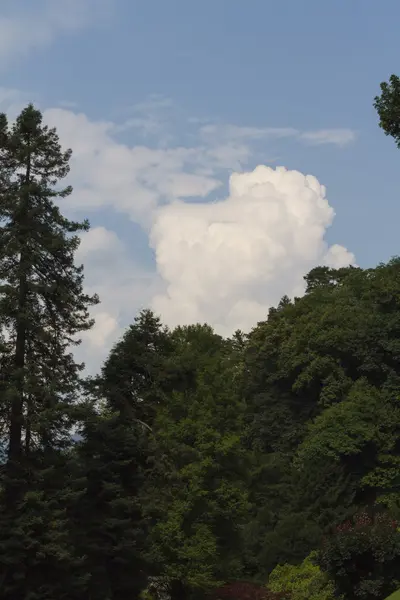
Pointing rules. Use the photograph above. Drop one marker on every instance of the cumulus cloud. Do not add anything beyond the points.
(24, 27)
(224, 262)
(221, 261)
(228, 262)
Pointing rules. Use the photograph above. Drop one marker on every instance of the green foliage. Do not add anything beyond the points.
(344, 429)
(360, 435)
(303, 582)
(387, 106)
(196, 494)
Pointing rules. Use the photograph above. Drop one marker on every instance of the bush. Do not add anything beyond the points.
(363, 557)
(304, 582)
(243, 590)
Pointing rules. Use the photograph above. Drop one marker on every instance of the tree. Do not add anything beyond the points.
(135, 374)
(359, 436)
(277, 529)
(42, 310)
(322, 367)
(387, 106)
(195, 496)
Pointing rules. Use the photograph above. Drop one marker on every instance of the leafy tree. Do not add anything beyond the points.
(195, 497)
(276, 417)
(387, 106)
(330, 358)
(360, 436)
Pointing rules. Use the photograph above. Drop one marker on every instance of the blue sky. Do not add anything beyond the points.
(251, 83)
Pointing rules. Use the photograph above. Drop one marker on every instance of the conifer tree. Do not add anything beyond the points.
(42, 309)
(110, 528)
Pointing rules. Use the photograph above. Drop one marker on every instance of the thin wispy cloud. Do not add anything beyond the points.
(338, 137)
(225, 132)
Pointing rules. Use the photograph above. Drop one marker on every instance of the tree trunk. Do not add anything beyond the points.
(28, 427)
(178, 590)
(16, 420)
(17, 407)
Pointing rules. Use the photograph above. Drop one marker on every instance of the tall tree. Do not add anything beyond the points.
(42, 309)
(195, 495)
(109, 524)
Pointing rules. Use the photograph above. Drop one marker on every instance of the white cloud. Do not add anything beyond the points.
(339, 137)
(134, 180)
(26, 27)
(227, 262)
(337, 256)
(224, 262)
(236, 134)
(131, 180)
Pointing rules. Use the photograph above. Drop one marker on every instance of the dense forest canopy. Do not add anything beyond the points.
(266, 465)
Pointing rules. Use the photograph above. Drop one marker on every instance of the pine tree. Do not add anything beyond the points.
(42, 309)
(110, 528)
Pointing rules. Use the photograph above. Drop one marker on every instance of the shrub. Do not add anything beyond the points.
(244, 590)
(304, 582)
(363, 557)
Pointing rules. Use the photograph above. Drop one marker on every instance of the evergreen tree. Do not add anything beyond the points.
(42, 309)
(108, 521)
